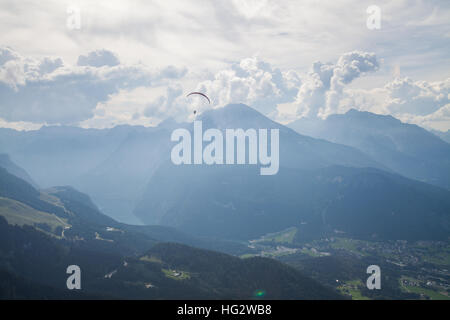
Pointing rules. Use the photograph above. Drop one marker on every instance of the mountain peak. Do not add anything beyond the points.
(403, 147)
(236, 115)
(361, 115)
(235, 109)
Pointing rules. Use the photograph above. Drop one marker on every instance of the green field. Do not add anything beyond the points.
(352, 288)
(285, 236)
(312, 253)
(347, 244)
(427, 292)
(17, 213)
(151, 259)
(176, 274)
(430, 293)
(438, 256)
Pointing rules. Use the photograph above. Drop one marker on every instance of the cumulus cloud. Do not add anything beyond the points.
(420, 102)
(11, 73)
(438, 120)
(47, 90)
(101, 92)
(424, 103)
(372, 100)
(48, 65)
(417, 97)
(322, 89)
(98, 58)
(253, 82)
(16, 70)
(146, 106)
(167, 105)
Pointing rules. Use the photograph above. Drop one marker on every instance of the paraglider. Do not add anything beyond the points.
(199, 93)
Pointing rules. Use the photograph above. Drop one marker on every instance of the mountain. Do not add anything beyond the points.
(33, 265)
(120, 261)
(444, 135)
(58, 155)
(238, 203)
(404, 148)
(11, 167)
(116, 183)
(321, 187)
(114, 165)
(212, 275)
(62, 155)
(13, 286)
(68, 213)
(309, 192)
(296, 150)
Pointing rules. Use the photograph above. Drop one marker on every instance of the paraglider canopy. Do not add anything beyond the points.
(201, 94)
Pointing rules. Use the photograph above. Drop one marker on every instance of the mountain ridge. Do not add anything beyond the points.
(404, 148)
(114, 165)
(123, 262)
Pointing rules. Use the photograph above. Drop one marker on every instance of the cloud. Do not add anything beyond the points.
(7, 54)
(11, 72)
(206, 36)
(420, 102)
(47, 90)
(417, 97)
(253, 82)
(372, 100)
(322, 89)
(438, 120)
(349, 67)
(16, 70)
(100, 91)
(167, 105)
(288, 33)
(20, 125)
(146, 106)
(98, 58)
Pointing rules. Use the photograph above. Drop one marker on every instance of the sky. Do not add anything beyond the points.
(98, 64)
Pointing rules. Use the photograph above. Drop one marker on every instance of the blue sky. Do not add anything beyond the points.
(134, 62)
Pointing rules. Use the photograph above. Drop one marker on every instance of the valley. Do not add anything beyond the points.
(419, 267)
